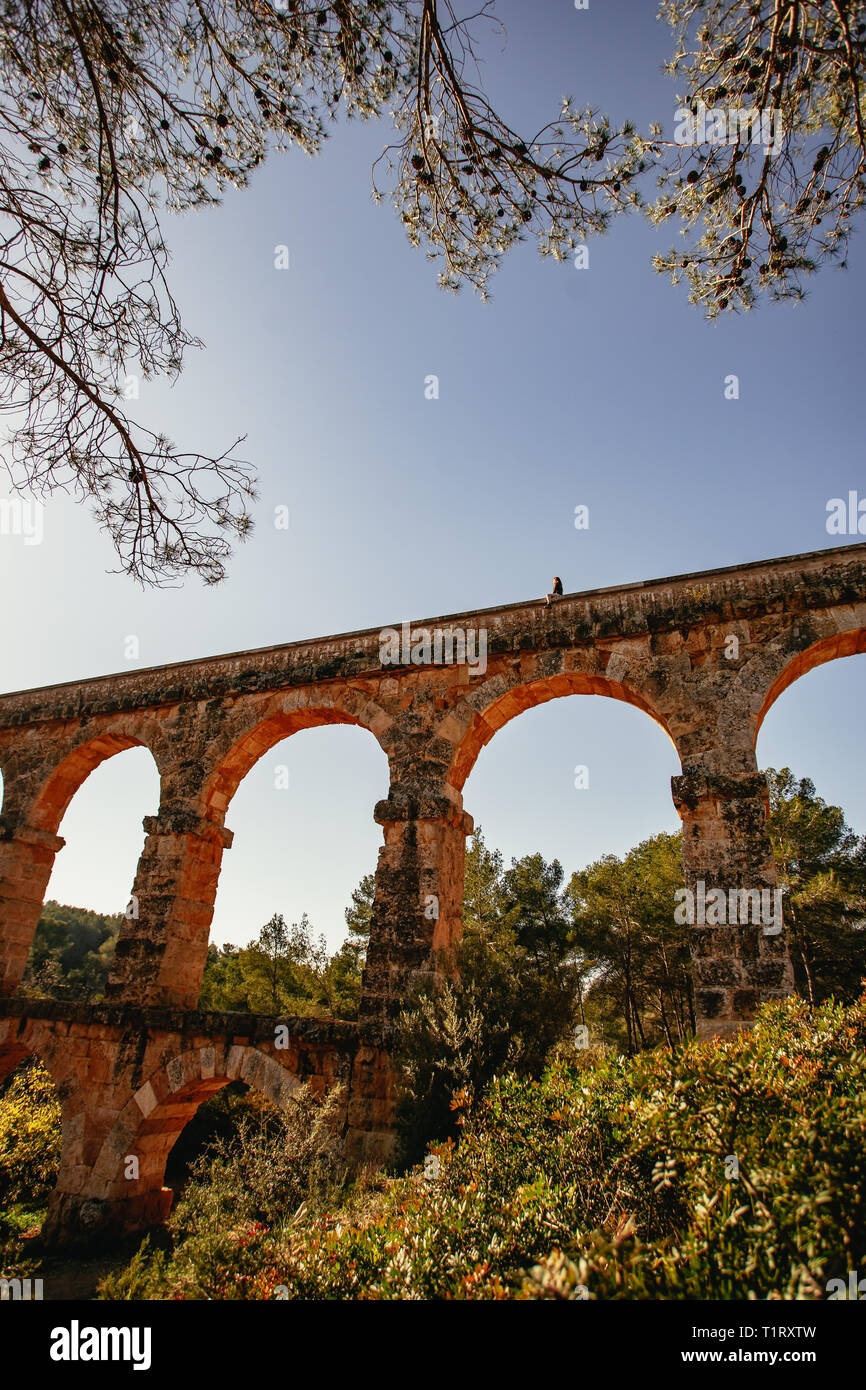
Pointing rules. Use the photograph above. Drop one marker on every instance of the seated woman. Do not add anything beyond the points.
(556, 591)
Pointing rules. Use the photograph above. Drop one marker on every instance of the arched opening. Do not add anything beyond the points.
(145, 1176)
(527, 696)
(304, 839)
(580, 858)
(582, 758)
(213, 1126)
(809, 742)
(53, 800)
(849, 643)
(98, 800)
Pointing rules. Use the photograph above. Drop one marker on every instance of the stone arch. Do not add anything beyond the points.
(851, 642)
(275, 720)
(473, 724)
(737, 712)
(151, 1121)
(58, 788)
(45, 775)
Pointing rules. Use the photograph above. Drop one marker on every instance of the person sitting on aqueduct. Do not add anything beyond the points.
(556, 592)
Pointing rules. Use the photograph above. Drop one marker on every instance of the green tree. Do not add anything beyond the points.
(223, 984)
(282, 971)
(509, 994)
(482, 884)
(623, 920)
(821, 865)
(359, 913)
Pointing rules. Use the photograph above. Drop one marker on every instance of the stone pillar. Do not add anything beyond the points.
(26, 861)
(418, 904)
(736, 965)
(162, 948)
(370, 1133)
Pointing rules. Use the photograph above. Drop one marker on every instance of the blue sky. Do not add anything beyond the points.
(602, 387)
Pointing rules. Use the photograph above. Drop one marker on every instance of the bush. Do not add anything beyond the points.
(29, 1136)
(267, 1175)
(608, 1179)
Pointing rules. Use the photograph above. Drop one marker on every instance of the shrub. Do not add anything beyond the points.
(29, 1136)
(268, 1174)
(611, 1179)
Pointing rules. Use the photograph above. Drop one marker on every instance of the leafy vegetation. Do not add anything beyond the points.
(274, 1168)
(72, 953)
(716, 1171)
(29, 1152)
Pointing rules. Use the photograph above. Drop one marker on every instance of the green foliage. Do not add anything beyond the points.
(822, 869)
(622, 914)
(72, 953)
(29, 1139)
(359, 913)
(603, 1179)
(281, 972)
(286, 970)
(511, 996)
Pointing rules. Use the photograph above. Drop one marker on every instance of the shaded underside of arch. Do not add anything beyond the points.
(12, 1054)
(32, 1044)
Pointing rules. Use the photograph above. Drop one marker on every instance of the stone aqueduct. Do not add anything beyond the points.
(132, 1071)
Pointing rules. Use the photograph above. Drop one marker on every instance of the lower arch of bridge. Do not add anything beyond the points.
(524, 695)
(148, 1128)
